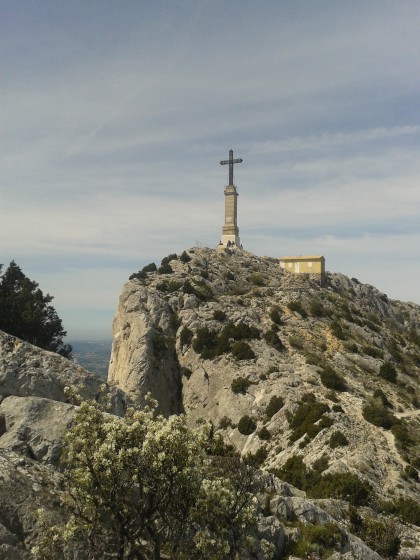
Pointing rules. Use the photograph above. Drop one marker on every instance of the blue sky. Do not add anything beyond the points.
(115, 116)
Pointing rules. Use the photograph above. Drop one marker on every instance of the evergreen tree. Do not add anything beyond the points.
(25, 312)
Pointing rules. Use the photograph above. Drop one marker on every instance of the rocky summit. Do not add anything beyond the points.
(317, 386)
(284, 368)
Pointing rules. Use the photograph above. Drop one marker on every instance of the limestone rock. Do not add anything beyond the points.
(34, 426)
(26, 370)
(143, 359)
(26, 485)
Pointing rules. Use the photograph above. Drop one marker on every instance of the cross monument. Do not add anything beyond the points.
(230, 232)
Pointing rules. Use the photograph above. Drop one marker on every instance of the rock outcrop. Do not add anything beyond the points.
(343, 348)
(33, 416)
(26, 370)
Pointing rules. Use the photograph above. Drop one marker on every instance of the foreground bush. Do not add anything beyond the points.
(141, 487)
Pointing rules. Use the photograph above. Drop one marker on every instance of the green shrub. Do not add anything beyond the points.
(169, 258)
(275, 316)
(331, 395)
(294, 472)
(142, 274)
(312, 359)
(380, 395)
(186, 336)
(240, 385)
(187, 287)
(377, 415)
(173, 286)
(241, 331)
(256, 279)
(151, 267)
(321, 464)
(411, 472)
(332, 380)
(295, 342)
(304, 419)
(343, 486)
(205, 343)
(381, 535)
(158, 344)
(372, 326)
(168, 286)
(273, 340)
(225, 422)
(351, 347)
(388, 372)
(394, 350)
(242, 351)
(317, 541)
(186, 372)
(337, 330)
(185, 257)
(316, 308)
(338, 439)
(414, 336)
(209, 344)
(401, 434)
(228, 275)
(256, 459)
(219, 315)
(337, 408)
(246, 425)
(165, 269)
(265, 435)
(203, 292)
(372, 352)
(297, 306)
(274, 405)
(405, 508)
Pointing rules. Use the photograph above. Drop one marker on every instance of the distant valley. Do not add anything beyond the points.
(92, 355)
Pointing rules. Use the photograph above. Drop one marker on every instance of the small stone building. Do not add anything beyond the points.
(311, 264)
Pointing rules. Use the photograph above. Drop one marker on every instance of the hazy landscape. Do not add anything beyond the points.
(93, 355)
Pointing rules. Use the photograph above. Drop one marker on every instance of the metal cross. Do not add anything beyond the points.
(230, 161)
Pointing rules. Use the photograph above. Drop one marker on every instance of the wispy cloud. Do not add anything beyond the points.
(115, 119)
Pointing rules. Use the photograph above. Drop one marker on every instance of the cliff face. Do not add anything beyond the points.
(344, 349)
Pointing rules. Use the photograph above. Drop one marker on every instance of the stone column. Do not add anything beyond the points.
(230, 231)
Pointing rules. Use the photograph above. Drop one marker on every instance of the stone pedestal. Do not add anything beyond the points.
(230, 231)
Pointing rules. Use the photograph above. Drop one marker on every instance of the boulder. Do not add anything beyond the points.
(34, 427)
(26, 370)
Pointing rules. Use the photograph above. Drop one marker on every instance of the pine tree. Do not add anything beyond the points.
(25, 312)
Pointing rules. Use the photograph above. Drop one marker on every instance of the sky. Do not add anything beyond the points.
(116, 114)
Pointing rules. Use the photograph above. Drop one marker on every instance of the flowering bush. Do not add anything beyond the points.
(143, 487)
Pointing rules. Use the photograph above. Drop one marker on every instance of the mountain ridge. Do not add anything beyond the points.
(346, 344)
